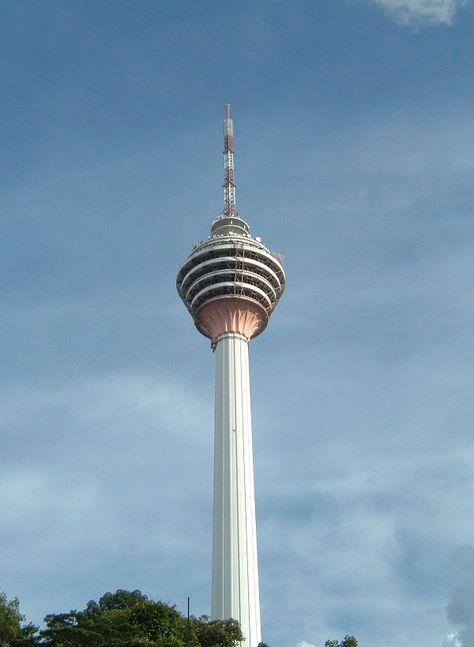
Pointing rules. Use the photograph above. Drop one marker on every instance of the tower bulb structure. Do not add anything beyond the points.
(231, 284)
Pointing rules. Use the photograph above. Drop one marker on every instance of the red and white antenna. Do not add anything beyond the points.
(230, 208)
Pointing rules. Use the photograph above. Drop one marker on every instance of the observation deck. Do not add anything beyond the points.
(231, 282)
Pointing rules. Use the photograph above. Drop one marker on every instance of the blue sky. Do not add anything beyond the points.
(354, 136)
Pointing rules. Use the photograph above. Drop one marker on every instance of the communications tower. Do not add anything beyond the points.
(231, 284)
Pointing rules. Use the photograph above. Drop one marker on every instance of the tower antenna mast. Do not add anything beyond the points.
(230, 208)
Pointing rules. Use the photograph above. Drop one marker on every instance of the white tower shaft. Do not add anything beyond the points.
(235, 591)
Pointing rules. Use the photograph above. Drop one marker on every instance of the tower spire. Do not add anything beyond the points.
(230, 208)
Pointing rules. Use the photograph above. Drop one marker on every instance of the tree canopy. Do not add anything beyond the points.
(131, 619)
(349, 641)
(123, 619)
(13, 630)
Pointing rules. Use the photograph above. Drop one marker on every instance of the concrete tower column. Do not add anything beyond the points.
(235, 591)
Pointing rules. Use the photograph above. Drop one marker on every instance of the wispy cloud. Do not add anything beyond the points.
(416, 13)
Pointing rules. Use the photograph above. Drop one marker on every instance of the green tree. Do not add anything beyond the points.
(117, 622)
(13, 633)
(131, 619)
(215, 633)
(349, 641)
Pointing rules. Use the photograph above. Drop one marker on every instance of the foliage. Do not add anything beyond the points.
(349, 641)
(12, 632)
(124, 619)
(121, 619)
(130, 619)
(215, 633)
(10, 618)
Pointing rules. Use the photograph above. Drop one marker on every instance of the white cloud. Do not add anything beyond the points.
(305, 644)
(422, 12)
(451, 640)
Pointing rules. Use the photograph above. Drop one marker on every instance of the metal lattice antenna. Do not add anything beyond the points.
(230, 208)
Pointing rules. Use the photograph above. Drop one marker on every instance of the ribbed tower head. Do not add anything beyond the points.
(231, 282)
